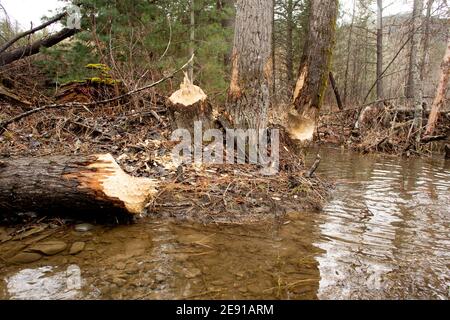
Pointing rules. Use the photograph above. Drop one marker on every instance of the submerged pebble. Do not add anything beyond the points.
(25, 257)
(49, 248)
(77, 247)
(84, 227)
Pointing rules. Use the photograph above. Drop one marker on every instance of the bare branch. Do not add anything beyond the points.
(8, 44)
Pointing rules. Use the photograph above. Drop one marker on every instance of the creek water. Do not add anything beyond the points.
(385, 234)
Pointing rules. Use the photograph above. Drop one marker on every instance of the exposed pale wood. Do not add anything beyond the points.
(314, 69)
(80, 185)
(441, 92)
(188, 105)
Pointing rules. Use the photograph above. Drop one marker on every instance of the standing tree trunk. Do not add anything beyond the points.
(380, 88)
(336, 91)
(274, 84)
(416, 84)
(349, 46)
(226, 7)
(289, 42)
(441, 92)
(314, 69)
(251, 78)
(192, 39)
(426, 42)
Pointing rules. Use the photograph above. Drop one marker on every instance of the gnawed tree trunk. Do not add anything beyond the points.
(251, 75)
(314, 69)
(84, 186)
(441, 92)
(188, 105)
(35, 47)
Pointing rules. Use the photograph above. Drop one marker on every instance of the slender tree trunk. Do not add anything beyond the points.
(192, 39)
(336, 91)
(349, 49)
(441, 91)
(274, 78)
(251, 77)
(314, 69)
(289, 42)
(380, 88)
(228, 21)
(416, 84)
(426, 42)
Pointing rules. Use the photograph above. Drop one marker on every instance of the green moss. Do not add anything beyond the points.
(105, 81)
(104, 78)
(98, 66)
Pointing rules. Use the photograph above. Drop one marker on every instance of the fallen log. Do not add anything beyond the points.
(35, 47)
(72, 185)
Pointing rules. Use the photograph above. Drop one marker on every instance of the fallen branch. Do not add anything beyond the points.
(9, 43)
(6, 123)
(429, 139)
(35, 47)
(314, 167)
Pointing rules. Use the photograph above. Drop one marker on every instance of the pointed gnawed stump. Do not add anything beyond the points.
(72, 185)
(188, 105)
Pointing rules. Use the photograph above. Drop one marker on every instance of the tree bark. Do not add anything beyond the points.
(191, 39)
(314, 69)
(426, 42)
(249, 93)
(441, 92)
(380, 86)
(289, 42)
(34, 48)
(74, 185)
(349, 46)
(336, 91)
(416, 84)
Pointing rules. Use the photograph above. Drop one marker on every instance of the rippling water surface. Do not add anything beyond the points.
(384, 235)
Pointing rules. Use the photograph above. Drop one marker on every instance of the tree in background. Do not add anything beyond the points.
(290, 28)
(380, 88)
(415, 83)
